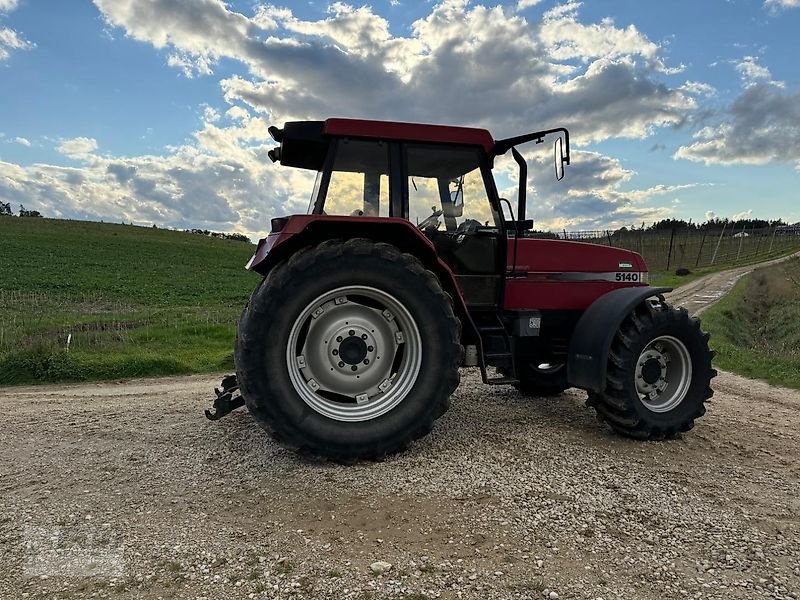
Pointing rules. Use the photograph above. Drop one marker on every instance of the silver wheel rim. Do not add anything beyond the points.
(663, 374)
(354, 353)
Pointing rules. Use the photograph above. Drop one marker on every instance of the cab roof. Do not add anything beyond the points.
(304, 144)
(409, 132)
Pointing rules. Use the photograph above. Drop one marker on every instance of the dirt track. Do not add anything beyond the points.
(126, 490)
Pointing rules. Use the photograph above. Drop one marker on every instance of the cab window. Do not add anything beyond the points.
(446, 191)
(359, 182)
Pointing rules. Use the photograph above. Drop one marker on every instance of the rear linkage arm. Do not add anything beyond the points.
(226, 401)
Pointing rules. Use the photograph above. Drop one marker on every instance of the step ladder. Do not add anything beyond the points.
(484, 333)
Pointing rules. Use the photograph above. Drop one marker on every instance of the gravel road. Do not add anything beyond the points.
(125, 490)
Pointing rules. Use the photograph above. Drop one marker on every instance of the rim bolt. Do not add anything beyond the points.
(338, 338)
(351, 332)
(335, 352)
(341, 364)
(363, 336)
(354, 368)
(370, 348)
(366, 361)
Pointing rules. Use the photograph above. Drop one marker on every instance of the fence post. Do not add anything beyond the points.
(700, 252)
(565, 234)
(758, 242)
(741, 239)
(671, 239)
(719, 241)
(772, 241)
(641, 240)
(608, 235)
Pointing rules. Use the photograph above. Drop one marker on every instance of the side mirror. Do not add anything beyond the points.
(558, 148)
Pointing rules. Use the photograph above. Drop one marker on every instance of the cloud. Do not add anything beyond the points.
(753, 73)
(523, 4)
(79, 147)
(761, 125)
(461, 63)
(10, 39)
(22, 140)
(592, 196)
(599, 78)
(223, 180)
(777, 5)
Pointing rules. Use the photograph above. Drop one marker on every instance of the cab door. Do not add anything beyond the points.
(449, 200)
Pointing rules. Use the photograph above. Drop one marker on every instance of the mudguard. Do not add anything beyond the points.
(592, 337)
(292, 233)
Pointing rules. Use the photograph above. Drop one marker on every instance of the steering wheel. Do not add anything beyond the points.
(431, 222)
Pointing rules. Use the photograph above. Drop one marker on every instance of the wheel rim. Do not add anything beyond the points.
(354, 353)
(663, 374)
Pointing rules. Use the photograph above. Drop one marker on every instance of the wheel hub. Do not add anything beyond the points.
(353, 350)
(652, 371)
(663, 374)
(354, 353)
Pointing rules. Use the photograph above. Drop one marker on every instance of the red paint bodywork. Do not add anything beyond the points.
(541, 260)
(537, 262)
(296, 224)
(410, 132)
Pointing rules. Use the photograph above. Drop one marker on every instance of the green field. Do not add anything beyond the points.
(83, 300)
(756, 328)
(136, 301)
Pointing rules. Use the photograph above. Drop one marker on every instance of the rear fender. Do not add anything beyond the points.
(592, 337)
(297, 232)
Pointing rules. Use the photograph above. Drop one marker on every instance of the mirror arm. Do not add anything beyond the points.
(503, 146)
(523, 183)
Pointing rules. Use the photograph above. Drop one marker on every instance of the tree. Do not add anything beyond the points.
(5, 209)
(23, 212)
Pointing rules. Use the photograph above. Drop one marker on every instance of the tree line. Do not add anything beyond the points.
(5, 211)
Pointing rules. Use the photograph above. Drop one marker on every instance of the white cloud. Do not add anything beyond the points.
(777, 5)
(22, 140)
(10, 40)
(753, 73)
(745, 214)
(761, 125)
(462, 64)
(598, 77)
(710, 215)
(523, 4)
(79, 147)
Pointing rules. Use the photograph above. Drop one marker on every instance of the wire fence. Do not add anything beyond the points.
(691, 248)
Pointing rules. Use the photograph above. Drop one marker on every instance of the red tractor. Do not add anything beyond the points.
(409, 265)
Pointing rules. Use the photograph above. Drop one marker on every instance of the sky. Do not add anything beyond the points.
(156, 111)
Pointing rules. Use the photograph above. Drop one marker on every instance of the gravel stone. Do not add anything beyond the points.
(182, 507)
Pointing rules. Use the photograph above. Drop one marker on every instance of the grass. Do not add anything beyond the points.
(88, 301)
(136, 301)
(756, 328)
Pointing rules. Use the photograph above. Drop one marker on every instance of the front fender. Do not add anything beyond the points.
(592, 337)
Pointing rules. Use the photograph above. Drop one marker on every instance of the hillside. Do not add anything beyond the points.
(756, 328)
(136, 301)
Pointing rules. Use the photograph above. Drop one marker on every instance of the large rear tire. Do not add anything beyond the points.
(659, 374)
(348, 350)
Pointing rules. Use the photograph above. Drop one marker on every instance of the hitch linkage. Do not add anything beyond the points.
(226, 401)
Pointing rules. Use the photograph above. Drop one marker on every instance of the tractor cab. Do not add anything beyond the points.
(437, 177)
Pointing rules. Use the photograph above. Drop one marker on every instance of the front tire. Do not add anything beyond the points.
(540, 379)
(348, 350)
(659, 374)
